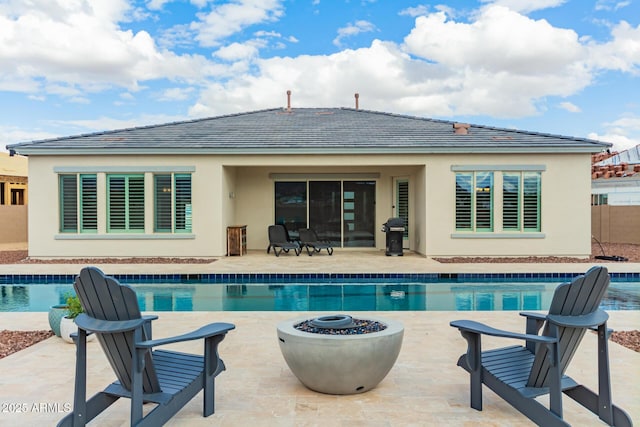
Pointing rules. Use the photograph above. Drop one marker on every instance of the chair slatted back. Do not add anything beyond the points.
(278, 234)
(307, 235)
(582, 296)
(104, 298)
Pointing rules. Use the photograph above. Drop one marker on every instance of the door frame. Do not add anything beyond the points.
(397, 181)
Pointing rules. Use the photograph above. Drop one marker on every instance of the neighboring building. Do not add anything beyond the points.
(13, 199)
(173, 189)
(616, 178)
(13, 179)
(615, 197)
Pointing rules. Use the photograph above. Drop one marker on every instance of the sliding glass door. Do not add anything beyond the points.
(324, 210)
(342, 212)
(291, 206)
(359, 214)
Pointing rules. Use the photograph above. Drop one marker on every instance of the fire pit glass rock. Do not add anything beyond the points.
(337, 354)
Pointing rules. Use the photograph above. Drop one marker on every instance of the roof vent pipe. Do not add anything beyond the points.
(357, 95)
(461, 128)
(289, 101)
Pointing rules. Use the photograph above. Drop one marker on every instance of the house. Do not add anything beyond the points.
(616, 178)
(173, 189)
(13, 179)
(615, 196)
(13, 199)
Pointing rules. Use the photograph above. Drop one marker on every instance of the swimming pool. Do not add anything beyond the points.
(388, 294)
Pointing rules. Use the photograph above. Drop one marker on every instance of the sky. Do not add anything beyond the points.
(565, 67)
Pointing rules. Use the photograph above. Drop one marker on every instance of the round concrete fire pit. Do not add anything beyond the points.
(343, 361)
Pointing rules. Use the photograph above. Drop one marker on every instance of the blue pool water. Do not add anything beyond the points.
(320, 295)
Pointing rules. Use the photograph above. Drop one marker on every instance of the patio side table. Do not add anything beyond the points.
(236, 240)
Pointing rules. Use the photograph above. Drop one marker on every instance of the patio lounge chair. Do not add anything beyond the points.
(309, 239)
(519, 374)
(279, 241)
(166, 378)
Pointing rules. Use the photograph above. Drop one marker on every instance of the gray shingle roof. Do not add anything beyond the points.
(308, 130)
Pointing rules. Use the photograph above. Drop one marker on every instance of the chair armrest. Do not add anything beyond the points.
(207, 331)
(91, 324)
(590, 320)
(534, 315)
(480, 328)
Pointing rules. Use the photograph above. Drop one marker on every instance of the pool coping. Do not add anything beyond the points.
(16, 279)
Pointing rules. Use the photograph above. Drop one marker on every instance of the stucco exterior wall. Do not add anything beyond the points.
(238, 190)
(46, 241)
(565, 208)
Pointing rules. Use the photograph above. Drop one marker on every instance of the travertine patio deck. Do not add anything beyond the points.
(425, 387)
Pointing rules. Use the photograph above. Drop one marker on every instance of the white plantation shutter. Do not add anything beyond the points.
(163, 203)
(464, 183)
(125, 202)
(484, 201)
(403, 204)
(136, 202)
(68, 189)
(531, 201)
(88, 203)
(511, 201)
(173, 203)
(183, 203)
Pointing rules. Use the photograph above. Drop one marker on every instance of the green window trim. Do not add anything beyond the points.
(172, 203)
(78, 203)
(521, 201)
(474, 201)
(125, 203)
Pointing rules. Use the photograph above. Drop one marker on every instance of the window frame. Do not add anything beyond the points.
(83, 203)
(179, 223)
(499, 232)
(474, 199)
(522, 210)
(133, 216)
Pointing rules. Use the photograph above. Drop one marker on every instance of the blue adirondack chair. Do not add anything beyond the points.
(167, 378)
(519, 374)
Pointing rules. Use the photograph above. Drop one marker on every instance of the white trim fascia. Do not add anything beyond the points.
(298, 150)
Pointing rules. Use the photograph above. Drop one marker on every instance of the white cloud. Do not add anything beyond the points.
(415, 11)
(611, 5)
(237, 51)
(503, 62)
(622, 53)
(13, 135)
(620, 142)
(353, 30)
(570, 107)
(526, 6)
(386, 78)
(159, 4)
(177, 94)
(231, 18)
(47, 44)
(623, 133)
